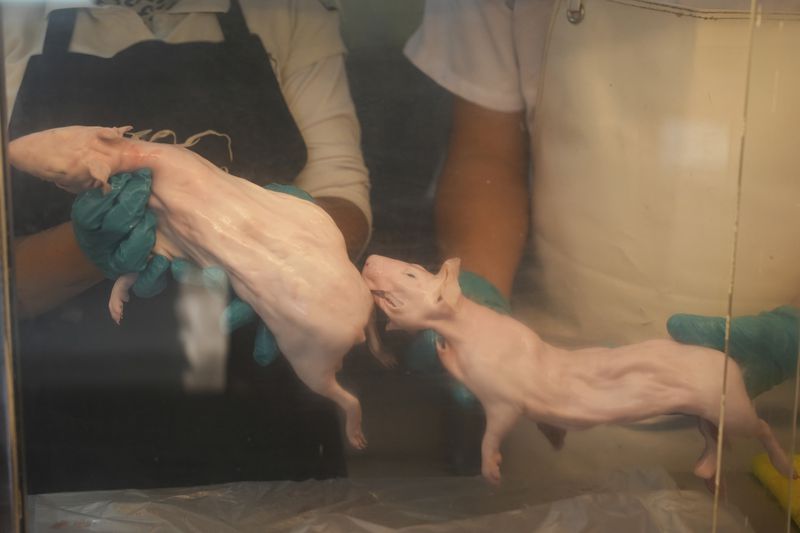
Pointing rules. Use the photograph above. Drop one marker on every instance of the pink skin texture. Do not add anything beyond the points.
(284, 256)
(513, 372)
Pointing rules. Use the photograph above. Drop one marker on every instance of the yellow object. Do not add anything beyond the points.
(779, 485)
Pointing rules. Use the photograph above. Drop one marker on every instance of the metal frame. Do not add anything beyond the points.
(12, 485)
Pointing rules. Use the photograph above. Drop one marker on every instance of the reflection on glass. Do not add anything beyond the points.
(594, 164)
(766, 256)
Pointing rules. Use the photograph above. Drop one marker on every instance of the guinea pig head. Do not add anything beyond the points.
(412, 297)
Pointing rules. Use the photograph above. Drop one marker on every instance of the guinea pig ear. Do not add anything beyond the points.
(449, 290)
(113, 134)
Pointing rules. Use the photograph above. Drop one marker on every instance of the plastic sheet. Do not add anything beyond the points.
(631, 500)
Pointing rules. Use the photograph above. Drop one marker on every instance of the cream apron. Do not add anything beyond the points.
(636, 149)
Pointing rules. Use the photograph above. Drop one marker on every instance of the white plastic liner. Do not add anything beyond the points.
(631, 501)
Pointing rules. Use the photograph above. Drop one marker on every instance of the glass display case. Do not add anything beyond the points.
(233, 228)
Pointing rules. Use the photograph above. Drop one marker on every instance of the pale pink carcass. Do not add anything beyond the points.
(513, 372)
(283, 255)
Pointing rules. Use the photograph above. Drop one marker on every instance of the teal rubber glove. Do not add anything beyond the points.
(421, 354)
(115, 230)
(237, 314)
(765, 345)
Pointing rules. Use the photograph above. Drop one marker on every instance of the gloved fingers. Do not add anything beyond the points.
(131, 202)
(90, 209)
(289, 189)
(153, 279)
(764, 345)
(237, 314)
(463, 397)
(708, 331)
(115, 230)
(185, 271)
(266, 349)
(214, 277)
(480, 290)
(421, 356)
(115, 212)
(132, 253)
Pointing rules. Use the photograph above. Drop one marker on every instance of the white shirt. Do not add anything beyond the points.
(490, 52)
(301, 36)
(634, 170)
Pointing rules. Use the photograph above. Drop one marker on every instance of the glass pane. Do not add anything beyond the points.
(595, 166)
(766, 283)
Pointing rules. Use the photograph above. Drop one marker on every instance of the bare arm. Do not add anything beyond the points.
(351, 222)
(50, 268)
(334, 174)
(482, 204)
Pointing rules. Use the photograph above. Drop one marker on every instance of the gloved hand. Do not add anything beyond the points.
(764, 345)
(238, 313)
(115, 230)
(421, 353)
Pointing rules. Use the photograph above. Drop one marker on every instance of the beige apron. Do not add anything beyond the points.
(636, 150)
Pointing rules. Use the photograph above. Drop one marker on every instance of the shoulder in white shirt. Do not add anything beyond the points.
(301, 36)
(491, 52)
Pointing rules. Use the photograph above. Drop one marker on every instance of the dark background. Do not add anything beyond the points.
(105, 437)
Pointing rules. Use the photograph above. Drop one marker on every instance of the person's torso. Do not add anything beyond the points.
(188, 88)
(636, 146)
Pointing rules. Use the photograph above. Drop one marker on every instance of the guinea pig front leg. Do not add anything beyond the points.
(120, 294)
(376, 347)
(500, 418)
(324, 383)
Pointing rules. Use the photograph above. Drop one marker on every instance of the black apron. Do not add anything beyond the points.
(103, 404)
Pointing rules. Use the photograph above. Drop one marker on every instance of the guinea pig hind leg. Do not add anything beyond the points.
(500, 418)
(325, 384)
(777, 456)
(706, 466)
(120, 294)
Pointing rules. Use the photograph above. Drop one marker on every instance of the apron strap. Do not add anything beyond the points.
(232, 23)
(60, 25)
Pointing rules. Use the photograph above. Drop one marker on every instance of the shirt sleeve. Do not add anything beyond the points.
(303, 39)
(467, 47)
(319, 99)
(24, 25)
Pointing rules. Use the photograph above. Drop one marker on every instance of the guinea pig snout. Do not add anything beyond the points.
(372, 270)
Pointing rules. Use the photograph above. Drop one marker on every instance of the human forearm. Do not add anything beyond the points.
(482, 204)
(50, 268)
(351, 222)
(485, 225)
(334, 174)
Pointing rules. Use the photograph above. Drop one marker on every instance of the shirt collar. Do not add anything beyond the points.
(183, 6)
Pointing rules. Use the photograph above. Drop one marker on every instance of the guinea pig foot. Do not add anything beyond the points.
(356, 438)
(491, 469)
(706, 466)
(386, 359)
(115, 307)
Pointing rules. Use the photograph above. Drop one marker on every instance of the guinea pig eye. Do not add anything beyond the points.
(410, 275)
